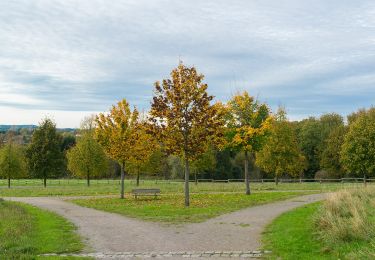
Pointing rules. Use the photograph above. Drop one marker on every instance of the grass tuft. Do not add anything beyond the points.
(347, 216)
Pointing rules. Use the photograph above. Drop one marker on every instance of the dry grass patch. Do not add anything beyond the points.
(347, 216)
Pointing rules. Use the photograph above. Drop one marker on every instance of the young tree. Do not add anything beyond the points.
(183, 118)
(248, 125)
(281, 153)
(358, 149)
(44, 155)
(116, 132)
(87, 158)
(144, 145)
(12, 162)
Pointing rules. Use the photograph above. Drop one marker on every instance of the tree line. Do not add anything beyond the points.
(188, 134)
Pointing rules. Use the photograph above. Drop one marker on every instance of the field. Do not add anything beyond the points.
(26, 232)
(38, 232)
(170, 208)
(27, 188)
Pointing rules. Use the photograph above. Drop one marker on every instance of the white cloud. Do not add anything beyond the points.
(66, 55)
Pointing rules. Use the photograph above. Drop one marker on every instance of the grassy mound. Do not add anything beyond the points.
(26, 231)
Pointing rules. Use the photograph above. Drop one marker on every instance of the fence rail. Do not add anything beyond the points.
(132, 181)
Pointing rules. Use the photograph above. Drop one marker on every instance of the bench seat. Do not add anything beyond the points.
(145, 192)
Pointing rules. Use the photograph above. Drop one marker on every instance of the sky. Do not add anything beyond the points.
(67, 59)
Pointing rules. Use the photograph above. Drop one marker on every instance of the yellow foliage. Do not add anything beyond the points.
(281, 153)
(182, 116)
(248, 122)
(123, 134)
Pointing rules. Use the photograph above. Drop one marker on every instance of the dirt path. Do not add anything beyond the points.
(110, 233)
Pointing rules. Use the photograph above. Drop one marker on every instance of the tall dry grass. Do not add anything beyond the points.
(347, 216)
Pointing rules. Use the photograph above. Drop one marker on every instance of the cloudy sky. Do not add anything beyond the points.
(67, 59)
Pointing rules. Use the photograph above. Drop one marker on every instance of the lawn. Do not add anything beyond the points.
(26, 188)
(169, 208)
(27, 231)
(294, 235)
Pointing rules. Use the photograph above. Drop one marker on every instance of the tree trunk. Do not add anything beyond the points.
(165, 168)
(196, 179)
(137, 176)
(122, 180)
(364, 180)
(277, 180)
(165, 162)
(247, 181)
(9, 183)
(187, 173)
(45, 182)
(88, 179)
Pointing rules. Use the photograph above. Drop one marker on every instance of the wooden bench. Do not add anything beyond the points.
(146, 192)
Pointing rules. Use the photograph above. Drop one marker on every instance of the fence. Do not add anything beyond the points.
(21, 182)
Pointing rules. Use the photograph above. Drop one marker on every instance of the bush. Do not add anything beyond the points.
(346, 216)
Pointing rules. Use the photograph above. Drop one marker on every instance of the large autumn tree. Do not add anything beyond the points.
(44, 154)
(183, 118)
(12, 161)
(358, 148)
(281, 154)
(330, 158)
(312, 137)
(87, 158)
(248, 123)
(116, 132)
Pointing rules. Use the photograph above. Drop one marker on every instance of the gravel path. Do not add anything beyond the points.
(113, 233)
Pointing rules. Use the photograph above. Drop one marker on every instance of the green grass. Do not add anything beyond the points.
(169, 208)
(27, 231)
(26, 188)
(293, 235)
